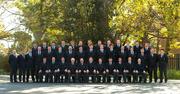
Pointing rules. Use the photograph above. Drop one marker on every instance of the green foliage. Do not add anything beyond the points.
(174, 74)
(22, 41)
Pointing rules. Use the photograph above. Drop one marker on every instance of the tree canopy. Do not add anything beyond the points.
(128, 20)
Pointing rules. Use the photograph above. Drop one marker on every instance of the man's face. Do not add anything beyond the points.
(44, 44)
(80, 43)
(139, 61)
(62, 59)
(110, 60)
(62, 42)
(162, 51)
(118, 41)
(72, 60)
(100, 61)
(137, 43)
(59, 49)
(44, 60)
(49, 49)
(53, 59)
(120, 59)
(39, 48)
(35, 45)
(14, 52)
(91, 60)
(82, 60)
(152, 50)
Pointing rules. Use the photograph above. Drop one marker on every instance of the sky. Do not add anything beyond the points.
(10, 21)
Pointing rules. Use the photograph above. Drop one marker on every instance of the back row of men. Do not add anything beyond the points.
(108, 54)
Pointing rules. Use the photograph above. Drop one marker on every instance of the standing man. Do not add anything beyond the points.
(163, 62)
(29, 63)
(38, 59)
(34, 52)
(13, 65)
(21, 66)
(152, 65)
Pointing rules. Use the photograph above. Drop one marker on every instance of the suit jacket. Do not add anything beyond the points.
(21, 62)
(12, 61)
(163, 61)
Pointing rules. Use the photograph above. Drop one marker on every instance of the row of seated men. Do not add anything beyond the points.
(29, 64)
(82, 71)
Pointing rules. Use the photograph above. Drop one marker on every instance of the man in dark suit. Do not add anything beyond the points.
(70, 54)
(118, 70)
(29, 65)
(43, 71)
(13, 66)
(62, 67)
(22, 67)
(143, 57)
(147, 49)
(34, 53)
(128, 70)
(109, 70)
(100, 70)
(80, 53)
(141, 71)
(137, 48)
(44, 48)
(163, 63)
(117, 46)
(111, 52)
(82, 68)
(64, 46)
(122, 54)
(91, 52)
(38, 59)
(152, 65)
(91, 67)
(53, 49)
(53, 70)
(101, 53)
(59, 54)
(72, 70)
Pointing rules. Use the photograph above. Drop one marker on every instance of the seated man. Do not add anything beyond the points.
(109, 70)
(62, 67)
(53, 70)
(72, 71)
(43, 71)
(128, 69)
(141, 71)
(118, 70)
(82, 70)
(99, 70)
(91, 68)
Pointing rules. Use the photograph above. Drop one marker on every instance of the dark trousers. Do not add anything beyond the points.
(29, 72)
(57, 77)
(22, 73)
(135, 77)
(41, 77)
(142, 77)
(153, 70)
(163, 74)
(13, 75)
(127, 77)
(33, 73)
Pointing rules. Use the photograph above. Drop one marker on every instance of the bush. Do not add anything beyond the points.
(174, 74)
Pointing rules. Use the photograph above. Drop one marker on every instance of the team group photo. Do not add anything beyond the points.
(90, 46)
(79, 63)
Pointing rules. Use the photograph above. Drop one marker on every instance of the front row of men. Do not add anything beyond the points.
(91, 71)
